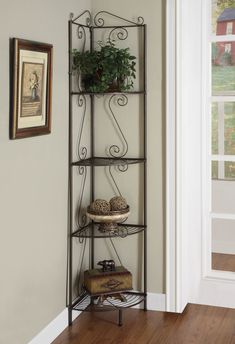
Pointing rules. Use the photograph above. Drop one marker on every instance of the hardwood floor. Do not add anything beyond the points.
(197, 325)
(223, 262)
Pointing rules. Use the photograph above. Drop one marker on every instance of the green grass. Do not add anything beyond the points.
(223, 79)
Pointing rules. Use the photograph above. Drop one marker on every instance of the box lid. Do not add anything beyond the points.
(119, 270)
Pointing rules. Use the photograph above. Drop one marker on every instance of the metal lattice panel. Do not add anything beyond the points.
(89, 304)
(92, 230)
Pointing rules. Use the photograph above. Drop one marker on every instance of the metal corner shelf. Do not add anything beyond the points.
(82, 31)
(91, 230)
(106, 161)
(89, 303)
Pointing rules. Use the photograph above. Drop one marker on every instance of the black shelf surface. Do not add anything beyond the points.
(107, 92)
(92, 231)
(104, 161)
(91, 304)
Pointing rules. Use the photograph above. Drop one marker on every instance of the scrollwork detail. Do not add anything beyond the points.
(81, 218)
(123, 167)
(81, 34)
(82, 151)
(119, 32)
(114, 150)
(140, 20)
(114, 181)
(100, 22)
(87, 17)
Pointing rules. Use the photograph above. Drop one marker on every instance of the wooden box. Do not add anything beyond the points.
(98, 282)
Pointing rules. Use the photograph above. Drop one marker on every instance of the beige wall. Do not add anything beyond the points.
(33, 173)
(152, 12)
(33, 182)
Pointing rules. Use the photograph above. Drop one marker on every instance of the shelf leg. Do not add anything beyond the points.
(145, 304)
(119, 317)
(70, 320)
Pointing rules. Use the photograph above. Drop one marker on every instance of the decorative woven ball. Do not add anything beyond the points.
(118, 203)
(100, 206)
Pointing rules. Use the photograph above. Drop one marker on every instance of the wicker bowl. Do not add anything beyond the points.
(109, 222)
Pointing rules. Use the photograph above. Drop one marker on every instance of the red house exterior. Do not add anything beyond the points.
(225, 26)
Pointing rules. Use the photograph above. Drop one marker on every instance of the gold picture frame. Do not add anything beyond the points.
(31, 87)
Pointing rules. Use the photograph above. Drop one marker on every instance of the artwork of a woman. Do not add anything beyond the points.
(34, 84)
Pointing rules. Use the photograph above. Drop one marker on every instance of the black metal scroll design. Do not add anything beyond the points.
(114, 181)
(81, 34)
(115, 150)
(121, 168)
(118, 33)
(99, 21)
(86, 15)
(80, 217)
(81, 151)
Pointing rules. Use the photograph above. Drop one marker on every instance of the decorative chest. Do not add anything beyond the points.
(97, 281)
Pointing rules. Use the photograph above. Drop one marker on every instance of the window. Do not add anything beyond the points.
(222, 100)
(220, 166)
(228, 47)
(229, 29)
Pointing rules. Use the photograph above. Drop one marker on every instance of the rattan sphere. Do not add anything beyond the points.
(118, 203)
(100, 206)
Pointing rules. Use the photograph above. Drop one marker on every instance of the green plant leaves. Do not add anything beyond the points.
(105, 68)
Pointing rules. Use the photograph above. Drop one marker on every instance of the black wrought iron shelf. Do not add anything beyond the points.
(104, 161)
(107, 92)
(91, 230)
(82, 114)
(89, 303)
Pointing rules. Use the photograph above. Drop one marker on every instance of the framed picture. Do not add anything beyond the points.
(31, 86)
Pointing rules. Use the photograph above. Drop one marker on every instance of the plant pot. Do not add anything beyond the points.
(117, 85)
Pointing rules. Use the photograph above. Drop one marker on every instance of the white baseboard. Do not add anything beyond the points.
(155, 302)
(54, 328)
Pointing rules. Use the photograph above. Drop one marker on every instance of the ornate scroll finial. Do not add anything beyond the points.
(99, 20)
(86, 17)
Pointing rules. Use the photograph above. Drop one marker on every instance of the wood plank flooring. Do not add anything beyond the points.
(223, 262)
(197, 325)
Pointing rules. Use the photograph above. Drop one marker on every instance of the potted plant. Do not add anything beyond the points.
(107, 69)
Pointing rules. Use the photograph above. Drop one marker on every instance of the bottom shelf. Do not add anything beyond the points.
(93, 304)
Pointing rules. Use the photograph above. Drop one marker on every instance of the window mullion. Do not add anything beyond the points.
(221, 138)
(222, 38)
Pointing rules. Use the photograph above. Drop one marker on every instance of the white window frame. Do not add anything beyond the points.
(207, 156)
(181, 212)
(229, 28)
(228, 47)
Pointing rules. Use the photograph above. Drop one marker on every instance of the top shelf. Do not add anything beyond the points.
(103, 93)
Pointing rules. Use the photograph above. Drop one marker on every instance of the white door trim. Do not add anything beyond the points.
(170, 156)
(174, 300)
(183, 135)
